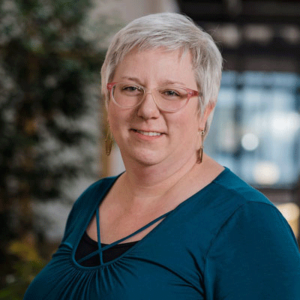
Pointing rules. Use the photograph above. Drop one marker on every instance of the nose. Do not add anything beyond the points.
(148, 108)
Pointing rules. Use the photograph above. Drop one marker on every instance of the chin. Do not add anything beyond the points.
(146, 159)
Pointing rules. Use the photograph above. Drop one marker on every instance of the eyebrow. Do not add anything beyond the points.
(163, 83)
(132, 79)
(173, 82)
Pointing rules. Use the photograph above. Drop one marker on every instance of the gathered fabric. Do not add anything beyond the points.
(227, 241)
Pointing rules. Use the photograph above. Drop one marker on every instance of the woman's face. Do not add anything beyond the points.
(177, 135)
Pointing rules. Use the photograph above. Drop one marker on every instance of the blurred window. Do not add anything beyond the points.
(256, 127)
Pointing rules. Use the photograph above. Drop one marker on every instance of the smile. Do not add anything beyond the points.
(148, 133)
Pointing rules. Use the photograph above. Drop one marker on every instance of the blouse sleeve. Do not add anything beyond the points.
(253, 256)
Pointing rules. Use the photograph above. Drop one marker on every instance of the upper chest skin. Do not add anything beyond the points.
(118, 220)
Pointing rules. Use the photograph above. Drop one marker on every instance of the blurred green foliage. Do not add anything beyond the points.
(48, 59)
(26, 263)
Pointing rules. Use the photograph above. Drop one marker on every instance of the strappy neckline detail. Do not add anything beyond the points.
(108, 246)
(92, 242)
(164, 217)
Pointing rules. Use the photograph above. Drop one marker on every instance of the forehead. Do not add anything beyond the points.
(159, 63)
(177, 54)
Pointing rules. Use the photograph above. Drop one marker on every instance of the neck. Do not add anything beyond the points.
(155, 181)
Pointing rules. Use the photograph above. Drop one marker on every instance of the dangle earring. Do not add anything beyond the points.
(200, 151)
(108, 142)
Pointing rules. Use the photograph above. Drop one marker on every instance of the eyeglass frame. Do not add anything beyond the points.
(190, 93)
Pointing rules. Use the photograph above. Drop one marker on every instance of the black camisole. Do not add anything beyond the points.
(87, 246)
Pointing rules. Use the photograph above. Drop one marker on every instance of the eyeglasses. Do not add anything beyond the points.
(168, 98)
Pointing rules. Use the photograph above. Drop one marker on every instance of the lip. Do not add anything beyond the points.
(147, 130)
(139, 133)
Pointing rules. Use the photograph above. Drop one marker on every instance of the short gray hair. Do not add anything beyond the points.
(171, 31)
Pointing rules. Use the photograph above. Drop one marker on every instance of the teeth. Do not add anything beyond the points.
(148, 133)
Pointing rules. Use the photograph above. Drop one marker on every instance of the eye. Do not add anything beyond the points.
(129, 90)
(171, 93)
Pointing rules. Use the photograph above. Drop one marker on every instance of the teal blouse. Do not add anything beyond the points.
(225, 242)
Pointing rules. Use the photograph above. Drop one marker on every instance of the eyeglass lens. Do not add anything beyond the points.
(168, 98)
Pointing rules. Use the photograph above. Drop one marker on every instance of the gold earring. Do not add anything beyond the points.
(108, 142)
(200, 151)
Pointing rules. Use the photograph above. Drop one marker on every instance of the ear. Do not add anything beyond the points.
(203, 117)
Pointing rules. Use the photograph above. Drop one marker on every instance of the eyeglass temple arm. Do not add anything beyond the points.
(110, 85)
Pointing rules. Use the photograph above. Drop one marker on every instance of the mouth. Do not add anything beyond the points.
(148, 133)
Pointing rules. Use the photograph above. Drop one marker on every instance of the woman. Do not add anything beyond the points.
(175, 224)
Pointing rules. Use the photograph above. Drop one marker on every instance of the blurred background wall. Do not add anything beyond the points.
(256, 127)
(53, 124)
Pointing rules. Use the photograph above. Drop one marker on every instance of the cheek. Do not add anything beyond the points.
(113, 113)
(113, 119)
(118, 118)
(186, 126)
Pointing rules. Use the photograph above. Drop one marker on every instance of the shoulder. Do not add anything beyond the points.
(225, 198)
(230, 185)
(231, 195)
(95, 191)
(253, 247)
(247, 215)
(87, 202)
(231, 211)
